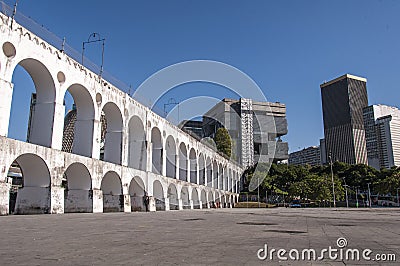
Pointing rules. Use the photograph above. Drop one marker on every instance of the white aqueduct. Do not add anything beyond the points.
(143, 152)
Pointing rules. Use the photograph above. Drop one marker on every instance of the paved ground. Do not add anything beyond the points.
(201, 237)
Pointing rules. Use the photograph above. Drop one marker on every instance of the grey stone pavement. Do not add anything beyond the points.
(194, 237)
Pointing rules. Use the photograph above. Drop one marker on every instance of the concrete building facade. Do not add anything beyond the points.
(310, 156)
(255, 127)
(343, 100)
(144, 154)
(382, 133)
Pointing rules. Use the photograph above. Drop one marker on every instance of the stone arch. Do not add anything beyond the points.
(79, 123)
(31, 186)
(157, 147)
(185, 197)
(113, 133)
(193, 166)
(211, 200)
(209, 172)
(137, 190)
(173, 197)
(137, 153)
(215, 174)
(170, 149)
(78, 189)
(202, 170)
(183, 164)
(112, 192)
(41, 117)
(158, 193)
(195, 199)
(203, 196)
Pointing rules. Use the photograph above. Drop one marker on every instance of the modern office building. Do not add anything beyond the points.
(310, 156)
(256, 129)
(343, 101)
(193, 128)
(382, 133)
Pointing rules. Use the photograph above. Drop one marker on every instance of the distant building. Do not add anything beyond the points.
(322, 149)
(382, 133)
(310, 156)
(255, 128)
(343, 101)
(193, 128)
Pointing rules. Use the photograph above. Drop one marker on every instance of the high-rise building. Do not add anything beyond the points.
(343, 100)
(310, 156)
(382, 133)
(255, 127)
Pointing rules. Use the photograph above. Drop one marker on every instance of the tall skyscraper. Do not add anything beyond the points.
(343, 101)
(382, 133)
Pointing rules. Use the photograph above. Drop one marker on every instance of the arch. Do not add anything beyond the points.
(195, 199)
(112, 192)
(113, 133)
(170, 149)
(220, 177)
(211, 200)
(193, 166)
(183, 162)
(158, 193)
(203, 196)
(173, 197)
(137, 190)
(185, 198)
(157, 148)
(137, 153)
(202, 170)
(209, 172)
(215, 171)
(77, 193)
(79, 123)
(43, 102)
(31, 193)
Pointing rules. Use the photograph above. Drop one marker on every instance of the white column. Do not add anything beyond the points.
(149, 157)
(197, 170)
(166, 200)
(58, 126)
(6, 91)
(177, 166)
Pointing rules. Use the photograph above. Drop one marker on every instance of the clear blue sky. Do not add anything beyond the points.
(288, 47)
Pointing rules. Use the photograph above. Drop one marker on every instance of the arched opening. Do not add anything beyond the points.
(217, 199)
(78, 121)
(183, 162)
(112, 123)
(223, 201)
(193, 166)
(113, 200)
(202, 170)
(211, 199)
(158, 193)
(215, 175)
(230, 180)
(137, 153)
(195, 199)
(170, 148)
(157, 150)
(30, 190)
(185, 198)
(173, 197)
(137, 191)
(78, 196)
(220, 177)
(209, 172)
(204, 199)
(33, 103)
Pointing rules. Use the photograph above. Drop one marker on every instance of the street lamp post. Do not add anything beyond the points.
(333, 183)
(345, 186)
(357, 197)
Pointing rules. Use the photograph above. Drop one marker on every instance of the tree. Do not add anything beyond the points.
(223, 141)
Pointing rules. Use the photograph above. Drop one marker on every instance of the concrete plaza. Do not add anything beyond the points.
(194, 237)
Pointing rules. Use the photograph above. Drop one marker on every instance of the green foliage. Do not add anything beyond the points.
(223, 141)
(315, 183)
